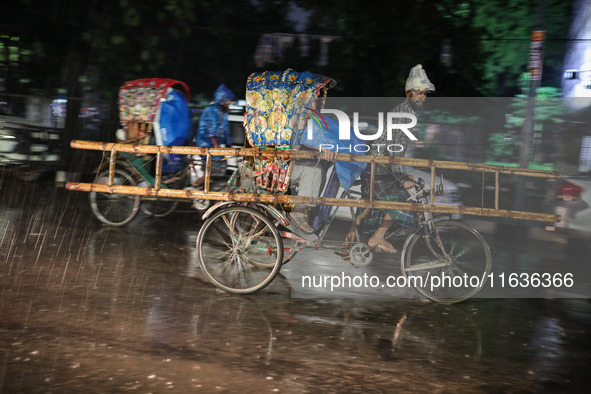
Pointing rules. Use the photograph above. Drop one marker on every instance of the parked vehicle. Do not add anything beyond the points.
(572, 201)
(27, 149)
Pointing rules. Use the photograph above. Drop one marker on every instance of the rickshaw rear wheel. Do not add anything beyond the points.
(239, 250)
(111, 208)
(158, 207)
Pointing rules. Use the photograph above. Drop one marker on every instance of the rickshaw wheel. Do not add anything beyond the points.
(239, 250)
(158, 207)
(114, 209)
(449, 266)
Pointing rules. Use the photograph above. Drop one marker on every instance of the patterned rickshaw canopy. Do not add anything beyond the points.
(278, 104)
(139, 99)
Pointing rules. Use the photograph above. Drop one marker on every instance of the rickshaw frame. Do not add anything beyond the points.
(240, 246)
(234, 205)
(206, 193)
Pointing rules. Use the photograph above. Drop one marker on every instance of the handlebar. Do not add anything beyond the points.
(421, 193)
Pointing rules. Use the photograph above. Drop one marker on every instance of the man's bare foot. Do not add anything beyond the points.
(381, 245)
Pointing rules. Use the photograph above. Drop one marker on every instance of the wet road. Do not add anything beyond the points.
(86, 308)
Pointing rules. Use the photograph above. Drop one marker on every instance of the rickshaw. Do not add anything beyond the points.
(250, 233)
(151, 110)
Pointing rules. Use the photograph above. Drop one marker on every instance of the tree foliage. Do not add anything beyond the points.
(101, 44)
(488, 41)
(381, 40)
(468, 47)
(504, 30)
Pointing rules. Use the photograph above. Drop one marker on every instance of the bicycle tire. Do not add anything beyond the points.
(114, 209)
(452, 275)
(239, 250)
(158, 207)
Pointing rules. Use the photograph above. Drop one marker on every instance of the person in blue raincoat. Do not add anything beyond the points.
(214, 129)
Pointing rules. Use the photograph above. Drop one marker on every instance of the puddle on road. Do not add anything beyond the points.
(84, 307)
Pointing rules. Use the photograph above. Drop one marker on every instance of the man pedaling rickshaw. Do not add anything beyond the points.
(268, 124)
(391, 180)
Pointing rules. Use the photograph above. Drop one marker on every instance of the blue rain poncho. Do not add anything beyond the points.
(172, 126)
(214, 122)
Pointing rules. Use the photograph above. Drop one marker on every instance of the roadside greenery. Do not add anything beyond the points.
(470, 47)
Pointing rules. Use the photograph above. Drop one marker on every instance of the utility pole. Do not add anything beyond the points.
(535, 63)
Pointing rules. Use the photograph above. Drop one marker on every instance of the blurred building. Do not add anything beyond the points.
(577, 62)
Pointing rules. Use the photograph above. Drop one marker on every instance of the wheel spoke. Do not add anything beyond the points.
(429, 265)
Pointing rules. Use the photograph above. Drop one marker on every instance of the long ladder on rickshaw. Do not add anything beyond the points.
(241, 244)
(249, 234)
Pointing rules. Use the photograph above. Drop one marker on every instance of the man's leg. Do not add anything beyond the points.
(309, 181)
(351, 236)
(377, 241)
